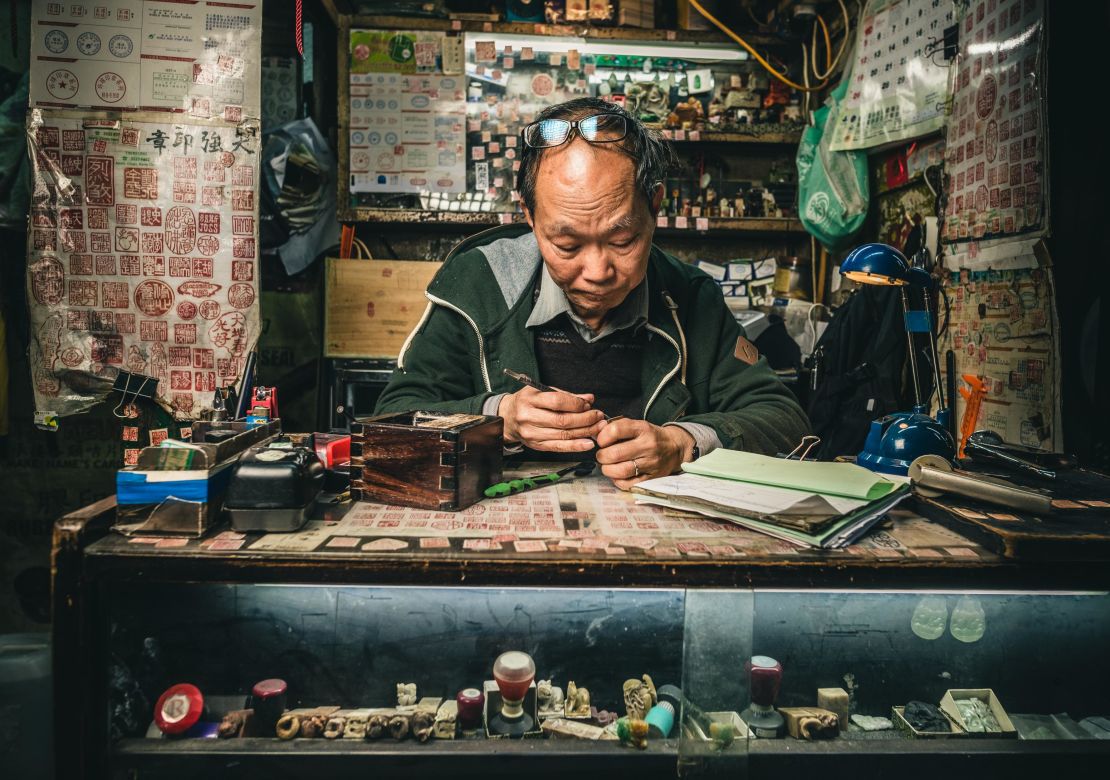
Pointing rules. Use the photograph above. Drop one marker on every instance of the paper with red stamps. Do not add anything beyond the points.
(121, 275)
(200, 58)
(995, 153)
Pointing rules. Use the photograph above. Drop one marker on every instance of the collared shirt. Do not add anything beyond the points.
(632, 312)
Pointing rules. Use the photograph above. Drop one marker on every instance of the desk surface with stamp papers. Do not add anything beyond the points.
(583, 532)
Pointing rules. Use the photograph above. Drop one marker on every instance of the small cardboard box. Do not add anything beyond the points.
(903, 725)
(694, 730)
(948, 707)
(155, 499)
(492, 706)
(371, 306)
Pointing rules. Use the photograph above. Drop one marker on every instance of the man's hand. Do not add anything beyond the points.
(631, 451)
(556, 422)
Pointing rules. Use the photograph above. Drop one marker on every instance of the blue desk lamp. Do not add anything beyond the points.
(894, 441)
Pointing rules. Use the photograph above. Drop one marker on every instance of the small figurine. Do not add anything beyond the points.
(313, 726)
(335, 726)
(422, 725)
(738, 207)
(399, 726)
(602, 717)
(639, 697)
(549, 698)
(577, 703)
(233, 723)
(376, 726)
(770, 208)
(288, 726)
(632, 731)
(446, 720)
(406, 694)
(355, 725)
(686, 115)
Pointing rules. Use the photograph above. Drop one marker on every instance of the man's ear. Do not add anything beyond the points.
(527, 216)
(657, 199)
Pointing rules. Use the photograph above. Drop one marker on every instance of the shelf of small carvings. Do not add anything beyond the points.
(565, 30)
(429, 218)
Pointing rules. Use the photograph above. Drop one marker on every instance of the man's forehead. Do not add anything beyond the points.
(622, 219)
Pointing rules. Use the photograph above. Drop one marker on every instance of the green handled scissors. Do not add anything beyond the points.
(513, 486)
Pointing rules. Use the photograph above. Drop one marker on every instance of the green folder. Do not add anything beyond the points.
(834, 479)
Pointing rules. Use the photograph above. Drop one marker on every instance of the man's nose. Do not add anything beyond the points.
(597, 265)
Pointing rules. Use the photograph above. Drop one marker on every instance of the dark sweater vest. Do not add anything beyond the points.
(608, 368)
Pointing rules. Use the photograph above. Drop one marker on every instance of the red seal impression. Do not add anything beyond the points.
(208, 245)
(186, 310)
(240, 295)
(209, 309)
(181, 230)
(985, 97)
(153, 297)
(62, 84)
(110, 87)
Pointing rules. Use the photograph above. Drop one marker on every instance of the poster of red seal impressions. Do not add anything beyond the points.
(142, 256)
(996, 132)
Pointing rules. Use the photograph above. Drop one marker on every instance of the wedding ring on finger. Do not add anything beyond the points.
(636, 467)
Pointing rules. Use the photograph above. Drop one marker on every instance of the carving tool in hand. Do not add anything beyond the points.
(524, 379)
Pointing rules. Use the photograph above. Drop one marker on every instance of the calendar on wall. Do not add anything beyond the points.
(899, 81)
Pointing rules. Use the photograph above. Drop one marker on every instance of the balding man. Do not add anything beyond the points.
(582, 301)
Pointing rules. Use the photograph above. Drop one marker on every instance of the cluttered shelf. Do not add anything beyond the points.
(788, 138)
(582, 30)
(482, 219)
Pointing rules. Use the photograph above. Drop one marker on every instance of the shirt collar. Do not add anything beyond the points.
(632, 312)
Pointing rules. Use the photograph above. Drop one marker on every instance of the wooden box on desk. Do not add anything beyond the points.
(431, 460)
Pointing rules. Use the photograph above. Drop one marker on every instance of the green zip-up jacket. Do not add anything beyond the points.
(474, 327)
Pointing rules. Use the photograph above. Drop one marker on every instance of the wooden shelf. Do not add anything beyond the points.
(450, 219)
(571, 30)
(792, 138)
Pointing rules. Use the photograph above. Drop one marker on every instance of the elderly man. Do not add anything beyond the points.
(583, 302)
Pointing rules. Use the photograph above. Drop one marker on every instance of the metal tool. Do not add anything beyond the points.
(933, 476)
(990, 447)
(974, 399)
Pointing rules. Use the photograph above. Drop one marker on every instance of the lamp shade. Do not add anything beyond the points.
(876, 264)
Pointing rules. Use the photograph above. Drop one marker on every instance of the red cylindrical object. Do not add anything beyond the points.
(513, 672)
(268, 701)
(178, 709)
(765, 674)
(470, 701)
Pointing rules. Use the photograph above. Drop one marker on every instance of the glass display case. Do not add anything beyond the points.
(780, 662)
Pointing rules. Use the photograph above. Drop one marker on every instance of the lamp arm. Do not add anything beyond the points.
(913, 357)
(935, 356)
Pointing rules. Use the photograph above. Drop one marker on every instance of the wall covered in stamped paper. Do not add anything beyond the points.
(142, 244)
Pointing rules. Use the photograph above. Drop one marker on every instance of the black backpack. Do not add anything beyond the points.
(860, 363)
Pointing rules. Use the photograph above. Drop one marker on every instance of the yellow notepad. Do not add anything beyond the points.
(834, 479)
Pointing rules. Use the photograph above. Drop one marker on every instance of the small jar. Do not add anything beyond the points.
(268, 701)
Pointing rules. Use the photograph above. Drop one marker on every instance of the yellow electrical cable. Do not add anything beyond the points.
(780, 76)
(830, 67)
(828, 44)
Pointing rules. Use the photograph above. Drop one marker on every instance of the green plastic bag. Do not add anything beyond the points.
(833, 192)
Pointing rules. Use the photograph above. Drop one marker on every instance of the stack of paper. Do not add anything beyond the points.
(807, 503)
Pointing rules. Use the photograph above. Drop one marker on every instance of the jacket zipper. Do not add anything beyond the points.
(672, 372)
(434, 300)
(478, 333)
